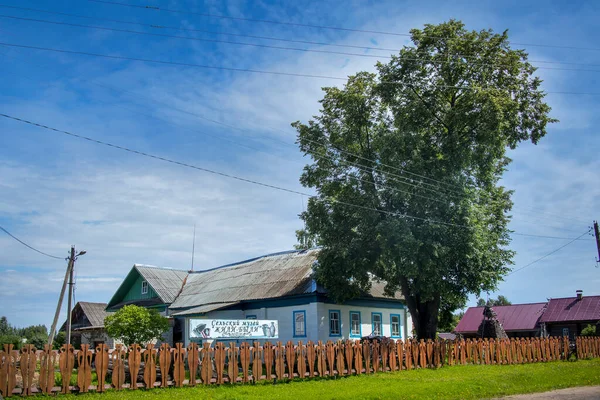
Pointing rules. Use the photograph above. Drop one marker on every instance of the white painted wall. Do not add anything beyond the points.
(365, 319)
(317, 320)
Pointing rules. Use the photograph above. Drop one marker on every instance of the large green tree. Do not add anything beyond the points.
(406, 164)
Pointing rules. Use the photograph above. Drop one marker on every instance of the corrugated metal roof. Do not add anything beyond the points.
(166, 283)
(271, 276)
(205, 308)
(447, 336)
(277, 275)
(95, 312)
(571, 309)
(516, 317)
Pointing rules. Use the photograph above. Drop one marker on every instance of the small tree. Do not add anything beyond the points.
(133, 324)
(59, 339)
(589, 330)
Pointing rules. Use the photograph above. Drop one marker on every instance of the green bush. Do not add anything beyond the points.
(589, 330)
(133, 324)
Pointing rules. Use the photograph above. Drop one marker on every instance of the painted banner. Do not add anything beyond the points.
(232, 329)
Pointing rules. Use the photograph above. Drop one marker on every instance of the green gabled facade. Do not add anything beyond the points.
(147, 286)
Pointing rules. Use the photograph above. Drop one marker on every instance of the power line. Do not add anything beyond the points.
(359, 166)
(298, 49)
(256, 71)
(548, 237)
(31, 247)
(549, 254)
(331, 200)
(220, 16)
(154, 26)
(224, 174)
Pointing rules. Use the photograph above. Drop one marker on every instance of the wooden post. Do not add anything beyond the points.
(47, 362)
(219, 357)
(256, 362)
(84, 368)
(232, 366)
(178, 363)
(102, 365)
(193, 360)
(149, 356)
(28, 363)
(66, 361)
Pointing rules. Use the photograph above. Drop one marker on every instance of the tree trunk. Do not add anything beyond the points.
(424, 315)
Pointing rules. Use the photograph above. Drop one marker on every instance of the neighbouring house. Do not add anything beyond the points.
(568, 316)
(87, 325)
(278, 286)
(151, 287)
(518, 320)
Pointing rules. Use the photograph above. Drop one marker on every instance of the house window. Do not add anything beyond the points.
(355, 328)
(144, 287)
(300, 323)
(334, 323)
(565, 331)
(376, 322)
(395, 325)
(250, 316)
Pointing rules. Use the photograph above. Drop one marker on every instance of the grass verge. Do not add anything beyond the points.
(457, 382)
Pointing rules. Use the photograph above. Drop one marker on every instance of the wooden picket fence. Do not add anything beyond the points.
(31, 371)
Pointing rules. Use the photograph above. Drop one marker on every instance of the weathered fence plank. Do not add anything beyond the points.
(222, 363)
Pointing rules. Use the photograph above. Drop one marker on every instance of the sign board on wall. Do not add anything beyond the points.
(232, 329)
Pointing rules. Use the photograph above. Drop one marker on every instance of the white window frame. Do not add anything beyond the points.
(144, 287)
(379, 331)
(396, 333)
(300, 326)
(358, 332)
(335, 324)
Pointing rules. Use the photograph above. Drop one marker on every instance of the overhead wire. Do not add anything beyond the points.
(549, 254)
(226, 175)
(303, 25)
(375, 56)
(178, 28)
(29, 246)
(231, 176)
(256, 71)
(360, 167)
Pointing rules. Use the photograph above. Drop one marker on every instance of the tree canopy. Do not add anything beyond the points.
(134, 324)
(406, 164)
(500, 301)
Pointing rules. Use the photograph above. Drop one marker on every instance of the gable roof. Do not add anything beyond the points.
(271, 276)
(167, 283)
(516, 317)
(572, 309)
(94, 312)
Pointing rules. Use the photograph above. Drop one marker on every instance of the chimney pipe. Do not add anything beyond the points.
(579, 294)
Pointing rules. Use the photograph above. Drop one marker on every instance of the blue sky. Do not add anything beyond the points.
(123, 209)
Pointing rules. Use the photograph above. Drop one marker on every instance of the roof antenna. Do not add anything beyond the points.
(193, 248)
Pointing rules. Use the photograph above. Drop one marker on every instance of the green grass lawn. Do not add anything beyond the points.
(457, 382)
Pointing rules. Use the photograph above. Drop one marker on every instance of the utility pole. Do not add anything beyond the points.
(70, 298)
(597, 234)
(61, 297)
(69, 279)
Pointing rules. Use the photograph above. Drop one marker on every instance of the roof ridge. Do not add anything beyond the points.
(574, 297)
(156, 267)
(512, 305)
(279, 253)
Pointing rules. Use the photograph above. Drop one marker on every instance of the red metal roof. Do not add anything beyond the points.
(571, 309)
(516, 317)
